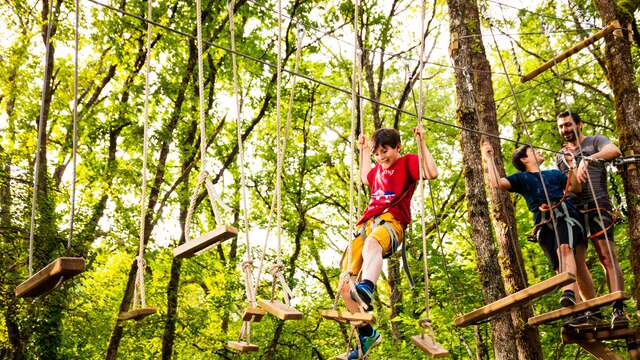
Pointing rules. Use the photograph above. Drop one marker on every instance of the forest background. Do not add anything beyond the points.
(199, 300)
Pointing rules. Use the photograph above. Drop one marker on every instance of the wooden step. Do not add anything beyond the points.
(242, 346)
(280, 310)
(583, 306)
(521, 297)
(253, 314)
(429, 345)
(45, 280)
(205, 241)
(346, 316)
(344, 356)
(137, 314)
(573, 337)
(599, 351)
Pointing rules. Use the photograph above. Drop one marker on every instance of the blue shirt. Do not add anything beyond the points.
(528, 185)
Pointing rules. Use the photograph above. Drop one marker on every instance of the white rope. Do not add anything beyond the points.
(75, 128)
(139, 284)
(41, 133)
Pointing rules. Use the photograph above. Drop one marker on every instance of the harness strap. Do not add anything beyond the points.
(562, 212)
(612, 215)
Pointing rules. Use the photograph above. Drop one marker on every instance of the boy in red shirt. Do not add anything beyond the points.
(381, 228)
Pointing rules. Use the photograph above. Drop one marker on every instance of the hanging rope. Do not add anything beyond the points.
(41, 134)
(138, 292)
(75, 127)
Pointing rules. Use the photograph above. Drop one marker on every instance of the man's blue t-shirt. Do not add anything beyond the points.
(528, 185)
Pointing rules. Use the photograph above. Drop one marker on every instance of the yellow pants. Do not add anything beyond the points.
(382, 236)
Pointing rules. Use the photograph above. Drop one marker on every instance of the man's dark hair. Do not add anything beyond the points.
(575, 117)
(385, 137)
(518, 154)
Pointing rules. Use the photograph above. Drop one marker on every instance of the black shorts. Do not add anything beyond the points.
(547, 239)
(591, 222)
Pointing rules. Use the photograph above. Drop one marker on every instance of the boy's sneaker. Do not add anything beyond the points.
(368, 343)
(568, 298)
(362, 293)
(618, 317)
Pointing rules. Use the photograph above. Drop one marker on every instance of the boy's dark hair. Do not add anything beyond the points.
(575, 117)
(385, 137)
(518, 154)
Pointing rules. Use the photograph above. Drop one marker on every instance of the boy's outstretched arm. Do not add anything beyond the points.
(575, 186)
(492, 170)
(429, 168)
(365, 158)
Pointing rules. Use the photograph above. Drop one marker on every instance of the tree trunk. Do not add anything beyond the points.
(463, 18)
(621, 79)
(510, 256)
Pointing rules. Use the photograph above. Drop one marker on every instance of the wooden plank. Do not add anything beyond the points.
(45, 280)
(429, 346)
(254, 314)
(570, 310)
(344, 356)
(599, 351)
(596, 326)
(346, 316)
(572, 50)
(280, 310)
(137, 314)
(572, 337)
(205, 241)
(242, 346)
(521, 297)
(633, 347)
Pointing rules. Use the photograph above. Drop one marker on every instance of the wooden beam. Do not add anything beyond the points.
(216, 236)
(280, 310)
(137, 314)
(599, 351)
(429, 346)
(253, 314)
(45, 280)
(633, 347)
(242, 346)
(346, 316)
(521, 297)
(572, 50)
(572, 337)
(583, 306)
(344, 356)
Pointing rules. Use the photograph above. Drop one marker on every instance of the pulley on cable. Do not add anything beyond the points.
(62, 268)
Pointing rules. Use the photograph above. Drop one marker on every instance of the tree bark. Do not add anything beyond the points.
(463, 19)
(621, 79)
(510, 257)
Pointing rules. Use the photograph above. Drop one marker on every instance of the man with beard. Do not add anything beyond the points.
(596, 214)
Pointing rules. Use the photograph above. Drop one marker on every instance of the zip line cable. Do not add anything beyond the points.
(315, 80)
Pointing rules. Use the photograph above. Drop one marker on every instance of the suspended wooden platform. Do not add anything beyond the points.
(253, 314)
(344, 356)
(521, 297)
(242, 346)
(346, 316)
(570, 336)
(137, 314)
(429, 345)
(45, 280)
(583, 306)
(614, 25)
(216, 236)
(280, 310)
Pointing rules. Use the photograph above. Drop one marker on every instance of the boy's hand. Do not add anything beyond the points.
(362, 141)
(570, 160)
(419, 131)
(487, 149)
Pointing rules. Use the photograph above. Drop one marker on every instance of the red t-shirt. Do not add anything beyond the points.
(387, 184)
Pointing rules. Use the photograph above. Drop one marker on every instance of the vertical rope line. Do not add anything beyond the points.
(526, 131)
(145, 149)
(247, 268)
(352, 136)
(279, 156)
(75, 127)
(420, 110)
(41, 134)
